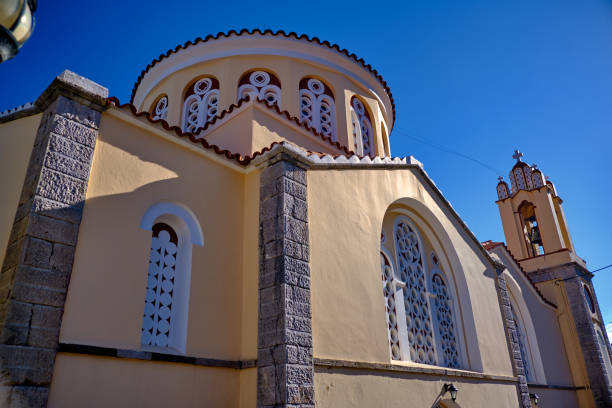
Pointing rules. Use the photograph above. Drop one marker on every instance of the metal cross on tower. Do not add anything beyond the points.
(517, 155)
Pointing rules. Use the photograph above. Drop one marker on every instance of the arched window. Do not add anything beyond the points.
(589, 299)
(389, 290)
(174, 230)
(411, 274)
(317, 106)
(259, 84)
(363, 135)
(201, 103)
(446, 328)
(420, 303)
(522, 341)
(159, 109)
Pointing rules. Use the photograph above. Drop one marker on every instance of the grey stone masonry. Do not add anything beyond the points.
(285, 371)
(513, 339)
(587, 336)
(36, 270)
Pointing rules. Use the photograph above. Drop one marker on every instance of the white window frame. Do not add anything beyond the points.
(189, 233)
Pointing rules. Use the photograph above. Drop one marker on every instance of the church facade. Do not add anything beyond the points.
(239, 235)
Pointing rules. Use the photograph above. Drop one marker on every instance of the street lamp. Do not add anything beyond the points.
(535, 398)
(452, 389)
(16, 25)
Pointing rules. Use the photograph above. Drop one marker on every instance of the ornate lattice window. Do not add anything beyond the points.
(201, 103)
(159, 110)
(522, 342)
(389, 290)
(411, 271)
(259, 84)
(446, 330)
(157, 320)
(317, 106)
(363, 135)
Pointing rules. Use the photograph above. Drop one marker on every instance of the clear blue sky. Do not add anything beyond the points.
(477, 77)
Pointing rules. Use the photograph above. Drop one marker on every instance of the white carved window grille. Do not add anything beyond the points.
(522, 342)
(260, 85)
(159, 306)
(317, 106)
(445, 322)
(411, 272)
(389, 291)
(201, 104)
(160, 109)
(363, 134)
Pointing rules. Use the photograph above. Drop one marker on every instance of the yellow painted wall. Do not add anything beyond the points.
(132, 170)
(365, 388)
(16, 141)
(347, 298)
(87, 381)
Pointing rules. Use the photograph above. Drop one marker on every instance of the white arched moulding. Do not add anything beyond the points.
(526, 333)
(201, 103)
(262, 85)
(317, 106)
(361, 122)
(174, 230)
(421, 300)
(159, 109)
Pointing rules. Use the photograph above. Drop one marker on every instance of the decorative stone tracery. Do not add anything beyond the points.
(411, 271)
(390, 305)
(317, 106)
(445, 322)
(201, 104)
(363, 134)
(160, 108)
(260, 85)
(157, 319)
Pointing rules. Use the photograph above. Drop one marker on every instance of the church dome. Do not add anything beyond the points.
(319, 84)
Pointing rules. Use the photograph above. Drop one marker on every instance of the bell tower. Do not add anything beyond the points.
(538, 237)
(533, 220)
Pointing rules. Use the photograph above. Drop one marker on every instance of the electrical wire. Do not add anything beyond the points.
(422, 140)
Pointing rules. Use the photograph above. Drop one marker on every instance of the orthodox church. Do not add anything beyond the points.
(239, 235)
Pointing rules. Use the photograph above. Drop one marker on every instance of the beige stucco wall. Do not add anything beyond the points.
(290, 71)
(86, 381)
(16, 141)
(346, 210)
(255, 127)
(132, 170)
(363, 388)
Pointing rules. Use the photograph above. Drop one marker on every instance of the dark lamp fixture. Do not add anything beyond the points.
(452, 389)
(16, 25)
(535, 398)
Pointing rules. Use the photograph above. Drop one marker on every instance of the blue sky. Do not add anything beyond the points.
(477, 77)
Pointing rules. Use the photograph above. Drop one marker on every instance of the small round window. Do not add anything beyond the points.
(589, 298)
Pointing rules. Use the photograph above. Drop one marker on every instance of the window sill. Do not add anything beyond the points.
(409, 367)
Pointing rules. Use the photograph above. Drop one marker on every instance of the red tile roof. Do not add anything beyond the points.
(490, 245)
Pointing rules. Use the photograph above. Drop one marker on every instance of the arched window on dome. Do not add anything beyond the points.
(444, 316)
(174, 230)
(159, 108)
(262, 85)
(201, 103)
(361, 121)
(317, 106)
